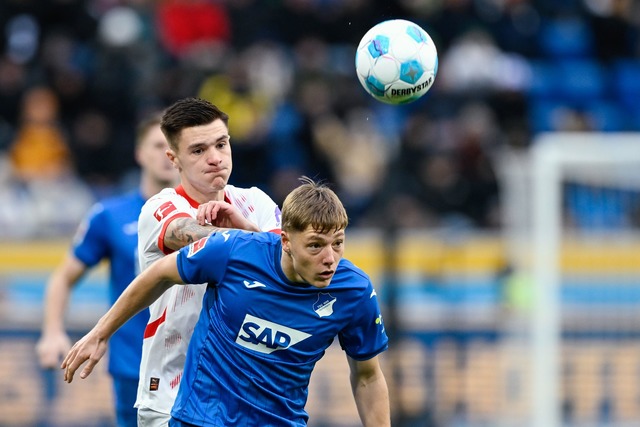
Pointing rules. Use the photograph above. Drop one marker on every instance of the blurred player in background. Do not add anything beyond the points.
(199, 141)
(273, 305)
(110, 232)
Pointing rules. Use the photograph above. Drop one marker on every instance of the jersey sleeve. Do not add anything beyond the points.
(156, 215)
(365, 336)
(205, 261)
(267, 212)
(90, 243)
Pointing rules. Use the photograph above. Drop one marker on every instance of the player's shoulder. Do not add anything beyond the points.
(253, 236)
(235, 192)
(164, 194)
(348, 268)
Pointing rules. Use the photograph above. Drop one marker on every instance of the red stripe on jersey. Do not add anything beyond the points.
(192, 202)
(176, 381)
(152, 327)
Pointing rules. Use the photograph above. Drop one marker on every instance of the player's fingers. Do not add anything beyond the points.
(201, 215)
(214, 213)
(72, 362)
(88, 368)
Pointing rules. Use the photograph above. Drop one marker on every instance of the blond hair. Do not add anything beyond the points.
(313, 204)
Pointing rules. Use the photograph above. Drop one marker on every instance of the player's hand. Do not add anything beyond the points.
(91, 348)
(224, 215)
(51, 348)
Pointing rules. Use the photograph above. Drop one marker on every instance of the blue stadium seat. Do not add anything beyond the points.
(599, 115)
(544, 80)
(572, 81)
(566, 38)
(581, 80)
(626, 82)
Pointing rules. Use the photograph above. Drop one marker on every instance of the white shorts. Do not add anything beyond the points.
(150, 418)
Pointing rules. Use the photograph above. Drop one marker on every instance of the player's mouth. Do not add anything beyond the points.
(326, 275)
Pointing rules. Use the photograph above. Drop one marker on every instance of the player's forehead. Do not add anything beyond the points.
(313, 234)
(210, 133)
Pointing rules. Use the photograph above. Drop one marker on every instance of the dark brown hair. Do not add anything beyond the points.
(186, 113)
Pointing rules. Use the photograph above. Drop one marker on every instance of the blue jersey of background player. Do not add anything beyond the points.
(272, 307)
(110, 232)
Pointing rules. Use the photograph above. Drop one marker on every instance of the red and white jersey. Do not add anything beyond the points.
(174, 315)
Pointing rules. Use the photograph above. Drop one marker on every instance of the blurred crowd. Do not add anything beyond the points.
(76, 76)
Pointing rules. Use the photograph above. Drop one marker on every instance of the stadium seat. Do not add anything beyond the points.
(572, 81)
(581, 80)
(566, 38)
(626, 82)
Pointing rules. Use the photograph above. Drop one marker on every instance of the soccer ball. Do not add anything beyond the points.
(396, 61)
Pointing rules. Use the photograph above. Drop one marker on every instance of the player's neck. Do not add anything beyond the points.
(199, 196)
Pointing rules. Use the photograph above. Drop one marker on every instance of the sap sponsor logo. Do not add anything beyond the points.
(324, 304)
(164, 211)
(266, 337)
(195, 247)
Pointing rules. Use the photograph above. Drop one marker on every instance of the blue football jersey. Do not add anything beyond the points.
(259, 335)
(110, 231)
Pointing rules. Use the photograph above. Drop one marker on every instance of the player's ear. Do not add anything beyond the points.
(284, 238)
(171, 155)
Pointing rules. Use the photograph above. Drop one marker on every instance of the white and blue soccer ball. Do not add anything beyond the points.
(396, 61)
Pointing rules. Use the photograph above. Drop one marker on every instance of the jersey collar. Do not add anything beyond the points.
(181, 191)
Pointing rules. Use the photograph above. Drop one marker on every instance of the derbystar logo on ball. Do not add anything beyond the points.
(396, 61)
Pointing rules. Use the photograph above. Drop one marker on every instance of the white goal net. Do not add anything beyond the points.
(572, 324)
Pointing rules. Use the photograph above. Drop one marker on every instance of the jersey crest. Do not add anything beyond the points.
(324, 304)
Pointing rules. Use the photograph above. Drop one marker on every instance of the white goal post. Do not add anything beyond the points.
(534, 230)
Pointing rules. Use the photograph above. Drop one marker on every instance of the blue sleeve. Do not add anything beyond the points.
(205, 261)
(365, 336)
(91, 242)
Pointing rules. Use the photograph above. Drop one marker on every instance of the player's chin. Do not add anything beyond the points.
(322, 281)
(217, 182)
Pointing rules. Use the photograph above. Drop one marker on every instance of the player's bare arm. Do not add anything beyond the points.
(370, 392)
(54, 342)
(184, 231)
(144, 290)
